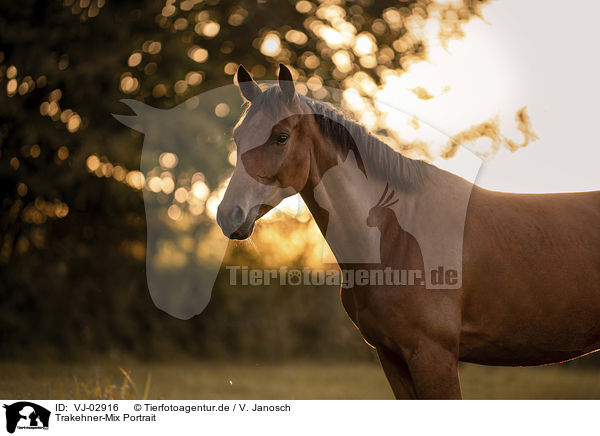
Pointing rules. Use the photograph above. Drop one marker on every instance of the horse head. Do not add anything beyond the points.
(273, 158)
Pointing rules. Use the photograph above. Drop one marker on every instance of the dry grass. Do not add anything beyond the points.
(193, 380)
(106, 390)
(306, 380)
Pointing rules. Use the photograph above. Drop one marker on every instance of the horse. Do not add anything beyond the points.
(528, 285)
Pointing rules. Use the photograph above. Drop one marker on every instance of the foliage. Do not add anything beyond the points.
(72, 230)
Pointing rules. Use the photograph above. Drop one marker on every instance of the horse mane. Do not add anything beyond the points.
(399, 171)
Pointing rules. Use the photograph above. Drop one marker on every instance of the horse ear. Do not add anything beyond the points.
(286, 83)
(134, 121)
(130, 121)
(248, 86)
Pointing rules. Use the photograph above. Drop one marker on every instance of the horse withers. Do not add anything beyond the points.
(525, 286)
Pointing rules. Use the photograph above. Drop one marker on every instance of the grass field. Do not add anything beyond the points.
(309, 380)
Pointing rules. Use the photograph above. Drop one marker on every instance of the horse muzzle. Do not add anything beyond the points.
(235, 224)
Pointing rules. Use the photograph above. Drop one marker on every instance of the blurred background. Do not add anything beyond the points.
(76, 318)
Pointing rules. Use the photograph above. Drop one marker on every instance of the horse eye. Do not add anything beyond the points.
(282, 139)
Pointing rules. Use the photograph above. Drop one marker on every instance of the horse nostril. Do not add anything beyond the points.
(230, 220)
(237, 217)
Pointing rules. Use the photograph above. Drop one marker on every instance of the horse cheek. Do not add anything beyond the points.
(295, 171)
(259, 162)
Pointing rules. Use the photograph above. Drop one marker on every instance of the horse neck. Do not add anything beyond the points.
(340, 196)
(339, 206)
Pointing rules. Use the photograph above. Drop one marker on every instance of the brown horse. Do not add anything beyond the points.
(528, 291)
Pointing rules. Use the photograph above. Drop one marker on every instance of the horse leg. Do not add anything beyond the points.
(434, 371)
(397, 373)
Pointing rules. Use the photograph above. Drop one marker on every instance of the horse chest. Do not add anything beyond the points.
(364, 309)
(400, 317)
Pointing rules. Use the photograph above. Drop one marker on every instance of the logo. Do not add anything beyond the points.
(26, 415)
(182, 145)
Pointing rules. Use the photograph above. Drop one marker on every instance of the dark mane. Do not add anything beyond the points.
(399, 171)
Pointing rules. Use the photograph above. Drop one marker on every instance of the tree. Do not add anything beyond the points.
(72, 228)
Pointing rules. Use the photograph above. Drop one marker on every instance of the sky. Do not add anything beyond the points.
(523, 53)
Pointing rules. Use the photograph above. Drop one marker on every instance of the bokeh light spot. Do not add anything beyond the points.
(135, 59)
(271, 45)
(168, 160)
(198, 54)
(222, 110)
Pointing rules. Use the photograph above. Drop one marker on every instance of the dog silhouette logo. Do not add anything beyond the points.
(26, 415)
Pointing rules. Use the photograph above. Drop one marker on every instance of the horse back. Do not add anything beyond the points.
(531, 277)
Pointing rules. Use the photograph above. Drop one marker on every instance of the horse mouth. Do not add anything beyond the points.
(240, 235)
(244, 232)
